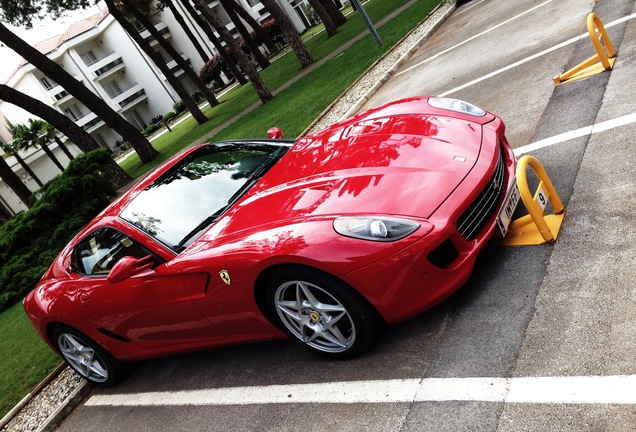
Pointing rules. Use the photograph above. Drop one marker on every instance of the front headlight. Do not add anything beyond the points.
(383, 229)
(457, 106)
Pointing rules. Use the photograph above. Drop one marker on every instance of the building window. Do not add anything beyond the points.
(47, 83)
(100, 140)
(89, 57)
(113, 88)
(74, 112)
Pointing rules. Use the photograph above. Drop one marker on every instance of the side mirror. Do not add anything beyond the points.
(129, 266)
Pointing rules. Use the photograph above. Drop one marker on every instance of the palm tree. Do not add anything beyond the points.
(20, 133)
(36, 137)
(51, 135)
(76, 134)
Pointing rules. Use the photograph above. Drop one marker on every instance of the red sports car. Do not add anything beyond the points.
(372, 220)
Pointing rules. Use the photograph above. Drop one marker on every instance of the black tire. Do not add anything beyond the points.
(86, 357)
(321, 312)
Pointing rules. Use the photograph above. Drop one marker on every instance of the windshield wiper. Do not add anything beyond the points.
(204, 223)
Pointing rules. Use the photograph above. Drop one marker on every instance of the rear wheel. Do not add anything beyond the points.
(86, 357)
(321, 312)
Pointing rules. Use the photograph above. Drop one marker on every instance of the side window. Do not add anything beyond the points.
(99, 252)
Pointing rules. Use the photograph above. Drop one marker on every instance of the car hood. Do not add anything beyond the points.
(406, 165)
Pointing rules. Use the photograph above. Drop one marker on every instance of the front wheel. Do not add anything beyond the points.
(86, 357)
(321, 312)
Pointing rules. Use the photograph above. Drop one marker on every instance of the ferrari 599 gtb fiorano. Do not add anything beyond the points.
(372, 220)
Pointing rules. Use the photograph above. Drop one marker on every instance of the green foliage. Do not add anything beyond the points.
(30, 241)
(25, 359)
(169, 116)
(179, 107)
(294, 108)
(152, 128)
(197, 96)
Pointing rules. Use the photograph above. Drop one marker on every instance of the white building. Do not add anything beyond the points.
(100, 54)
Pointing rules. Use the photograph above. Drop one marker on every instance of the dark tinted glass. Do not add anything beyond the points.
(200, 188)
(98, 253)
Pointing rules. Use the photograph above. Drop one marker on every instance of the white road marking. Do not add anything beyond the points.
(616, 389)
(577, 133)
(530, 58)
(467, 8)
(475, 37)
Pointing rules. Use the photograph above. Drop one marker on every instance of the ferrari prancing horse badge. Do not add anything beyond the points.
(225, 277)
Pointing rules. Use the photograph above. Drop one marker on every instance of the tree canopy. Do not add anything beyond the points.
(25, 12)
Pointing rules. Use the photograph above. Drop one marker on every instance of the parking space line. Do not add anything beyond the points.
(533, 57)
(616, 389)
(475, 37)
(467, 8)
(577, 133)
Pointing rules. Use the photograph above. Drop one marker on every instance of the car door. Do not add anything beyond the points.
(152, 308)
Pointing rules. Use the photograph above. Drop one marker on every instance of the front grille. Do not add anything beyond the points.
(480, 210)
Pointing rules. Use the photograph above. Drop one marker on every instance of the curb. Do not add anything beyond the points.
(69, 404)
(25, 400)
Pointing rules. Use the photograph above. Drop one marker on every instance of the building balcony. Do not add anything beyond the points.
(58, 94)
(174, 67)
(163, 30)
(88, 122)
(260, 10)
(107, 65)
(130, 97)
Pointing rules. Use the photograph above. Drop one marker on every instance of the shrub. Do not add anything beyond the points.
(169, 116)
(152, 128)
(32, 239)
(197, 96)
(179, 106)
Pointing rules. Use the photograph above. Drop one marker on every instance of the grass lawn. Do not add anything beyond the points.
(296, 107)
(24, 359)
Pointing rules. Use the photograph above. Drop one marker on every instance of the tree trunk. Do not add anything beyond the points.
(247, 37)
(51, 156)
(14, 183)
(261, 33)
(334, 12)
(205, 26)
(25, 166)
(291, 35)
(54, 71)
(158, 61)
(186, 29)
(259, 86)
(172, 52)
(65, 149)
(330, 26)
(76, 134)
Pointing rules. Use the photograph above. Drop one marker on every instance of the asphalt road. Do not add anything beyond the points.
(541, 338)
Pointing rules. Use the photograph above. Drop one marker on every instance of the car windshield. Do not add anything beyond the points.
(184, 201)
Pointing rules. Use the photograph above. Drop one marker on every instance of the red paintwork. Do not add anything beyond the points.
(397, 160)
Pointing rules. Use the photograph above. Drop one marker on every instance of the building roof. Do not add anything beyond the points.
(51, 44)
(77, 28)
